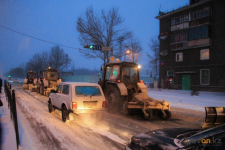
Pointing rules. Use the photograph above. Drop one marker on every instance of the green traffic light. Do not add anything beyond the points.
(91, 46)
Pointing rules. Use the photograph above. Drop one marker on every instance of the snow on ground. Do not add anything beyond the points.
(81, 135)
(69, 135)
(183, 98)
(6, 125)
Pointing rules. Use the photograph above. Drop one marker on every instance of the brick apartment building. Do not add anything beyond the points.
(192, 46)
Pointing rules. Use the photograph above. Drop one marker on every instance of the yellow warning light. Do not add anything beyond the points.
(112, 58)
(117, 60)
(49, 67)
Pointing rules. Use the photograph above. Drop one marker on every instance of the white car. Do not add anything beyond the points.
(77, 97)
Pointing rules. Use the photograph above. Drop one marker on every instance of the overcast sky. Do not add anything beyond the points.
(55, 21)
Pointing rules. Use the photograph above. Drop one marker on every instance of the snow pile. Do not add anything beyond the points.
(183, 98)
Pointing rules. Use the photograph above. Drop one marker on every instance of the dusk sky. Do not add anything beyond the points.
(55, 21)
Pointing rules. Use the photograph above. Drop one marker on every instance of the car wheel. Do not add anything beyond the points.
(168, 115)
(50, 107)
(150, 114)
(64, 113)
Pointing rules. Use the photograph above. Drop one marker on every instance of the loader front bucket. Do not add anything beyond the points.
(214, 116)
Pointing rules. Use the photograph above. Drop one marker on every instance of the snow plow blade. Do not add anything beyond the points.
(214, 117)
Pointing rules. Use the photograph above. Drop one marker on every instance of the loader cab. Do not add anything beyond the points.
(51, 74)
(30, 77)
(125, 72)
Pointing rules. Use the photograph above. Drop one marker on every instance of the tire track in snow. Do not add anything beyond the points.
(70, 128)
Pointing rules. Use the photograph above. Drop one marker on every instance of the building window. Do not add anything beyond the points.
(204, 76)
(180, 36)
(204, 12)
(199, 32)
(179, 57)
(179, 19)
(204, 54)
(191, 34)
(205, 32)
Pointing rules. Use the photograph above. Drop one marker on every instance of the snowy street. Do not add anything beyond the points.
(38, 129)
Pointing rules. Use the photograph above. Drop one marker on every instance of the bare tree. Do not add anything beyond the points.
(58, 59)
(103, 29)
(134, 46)
(38, 62)
(154, 55)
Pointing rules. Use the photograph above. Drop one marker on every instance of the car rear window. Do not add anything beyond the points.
(87, 90)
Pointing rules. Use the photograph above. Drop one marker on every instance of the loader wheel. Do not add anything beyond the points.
(168, 115)
(38, 89)
(150, 114)
(41, 89)
(114, 100)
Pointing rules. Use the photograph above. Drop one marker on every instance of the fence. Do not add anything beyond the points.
(10, 97)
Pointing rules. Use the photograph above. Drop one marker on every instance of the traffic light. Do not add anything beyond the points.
(89, 46)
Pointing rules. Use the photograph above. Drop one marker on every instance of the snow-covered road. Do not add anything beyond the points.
(38, 129)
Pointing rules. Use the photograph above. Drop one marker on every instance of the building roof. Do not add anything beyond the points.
(180, 9)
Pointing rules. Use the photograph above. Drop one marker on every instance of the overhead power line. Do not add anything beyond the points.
(37, 38)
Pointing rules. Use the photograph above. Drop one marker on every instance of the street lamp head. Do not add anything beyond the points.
(128, 51)
(139, 66)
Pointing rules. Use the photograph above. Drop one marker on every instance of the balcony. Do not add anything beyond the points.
(199, 42)
(180, 26)
(201, 21)
(179, 46)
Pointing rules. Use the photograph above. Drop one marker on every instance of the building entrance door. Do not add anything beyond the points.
(186, 82)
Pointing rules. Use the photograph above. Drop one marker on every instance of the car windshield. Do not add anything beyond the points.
(87, 91)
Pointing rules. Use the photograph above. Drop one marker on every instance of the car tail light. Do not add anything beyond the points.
(103, 103)
(74, 105)
(118, 80)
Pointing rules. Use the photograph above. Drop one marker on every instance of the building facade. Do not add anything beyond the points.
(192, 46)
